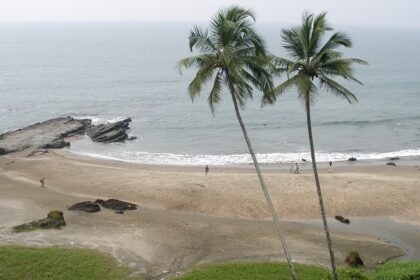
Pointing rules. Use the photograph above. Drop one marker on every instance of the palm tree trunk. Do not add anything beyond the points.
(264, 188)
(318, 188)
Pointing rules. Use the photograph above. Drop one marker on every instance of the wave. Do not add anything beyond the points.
(396, 121)
(237, 159)
(99, 120)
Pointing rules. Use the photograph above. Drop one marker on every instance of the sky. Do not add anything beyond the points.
(346, 12)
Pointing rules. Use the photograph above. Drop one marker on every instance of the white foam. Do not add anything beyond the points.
(100, 120)
(237, 159)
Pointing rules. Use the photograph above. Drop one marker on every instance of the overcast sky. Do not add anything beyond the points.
(348, 12)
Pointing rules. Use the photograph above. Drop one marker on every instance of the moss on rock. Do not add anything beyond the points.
(353, 259)
(55, 219)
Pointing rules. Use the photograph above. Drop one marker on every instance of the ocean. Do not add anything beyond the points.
(108, 71)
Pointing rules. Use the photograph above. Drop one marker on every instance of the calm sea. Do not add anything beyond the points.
(107, 71)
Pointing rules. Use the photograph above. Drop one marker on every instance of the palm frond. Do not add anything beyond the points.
(214, 96)
(337, 89)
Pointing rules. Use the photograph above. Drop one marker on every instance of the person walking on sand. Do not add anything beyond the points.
(42, 181)
(330, 167)
(297, 169)
(206, 169)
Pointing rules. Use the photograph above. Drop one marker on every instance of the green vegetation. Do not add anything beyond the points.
(269, 271)
(314, 63)
(21, 263)
(234, 56)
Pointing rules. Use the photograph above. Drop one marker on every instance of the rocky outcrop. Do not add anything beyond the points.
(86, 206)
(352, 159)
(44, 135)
(51, 134)
(110, 132)
(117, 205)
(55, 219)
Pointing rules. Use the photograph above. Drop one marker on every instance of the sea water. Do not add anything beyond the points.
(108, 71)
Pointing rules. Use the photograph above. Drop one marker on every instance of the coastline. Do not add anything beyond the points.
(187, 218)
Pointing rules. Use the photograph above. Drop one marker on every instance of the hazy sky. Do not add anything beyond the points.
(354, 12)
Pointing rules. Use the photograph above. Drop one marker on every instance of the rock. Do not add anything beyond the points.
(50, 133)
(117, 205)
(55, 219)
(352, 159)
(353, 259)
(391, 163)
(110, 132)
(86, 206)
(55, 144)
(342, 219)
(394, 158)
(131, 138)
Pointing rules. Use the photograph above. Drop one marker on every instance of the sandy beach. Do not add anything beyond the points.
(187, 218)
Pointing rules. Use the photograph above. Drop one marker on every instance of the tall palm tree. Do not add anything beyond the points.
(234, 55)
(314, 63)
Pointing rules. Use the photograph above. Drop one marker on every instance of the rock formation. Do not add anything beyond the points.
(86, 206)
(51, 134)
(55, 219)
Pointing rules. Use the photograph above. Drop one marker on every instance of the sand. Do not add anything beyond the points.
(187, 218)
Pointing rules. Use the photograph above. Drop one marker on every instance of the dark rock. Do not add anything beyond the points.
(391, 163)
(352, 159)
(116, 204)
(119, 212)
(50, 133)
(394, 158)
(304, 159)
(342, 219)
(55, 219)
(110, 132)
(86, 206)
(55, 144)
(353, 259)
(131, 138)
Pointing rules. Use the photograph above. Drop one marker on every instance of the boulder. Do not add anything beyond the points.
(394, 158)
(55, 144)
(55, 219)
(352, 159)
(86, 206)
(353, 259)
(117, 205)
(391, 163)
(110, 132)
(342, 219)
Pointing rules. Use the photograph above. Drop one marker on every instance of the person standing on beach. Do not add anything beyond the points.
(42, 181)
(206, 169)
(297, 169)
(330, 167)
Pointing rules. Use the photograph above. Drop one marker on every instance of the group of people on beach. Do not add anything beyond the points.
(294, 168)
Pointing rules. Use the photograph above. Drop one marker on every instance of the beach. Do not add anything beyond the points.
(187, 218)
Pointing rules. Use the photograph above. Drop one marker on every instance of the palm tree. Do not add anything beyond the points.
(314, 63)
(234, 55)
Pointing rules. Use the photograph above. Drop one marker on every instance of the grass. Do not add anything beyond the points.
(24, 263)
(269, 271)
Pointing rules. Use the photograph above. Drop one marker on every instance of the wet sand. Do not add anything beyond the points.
(187, 218)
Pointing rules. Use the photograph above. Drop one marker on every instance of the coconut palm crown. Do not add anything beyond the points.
(314, 63)
(234, 55)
